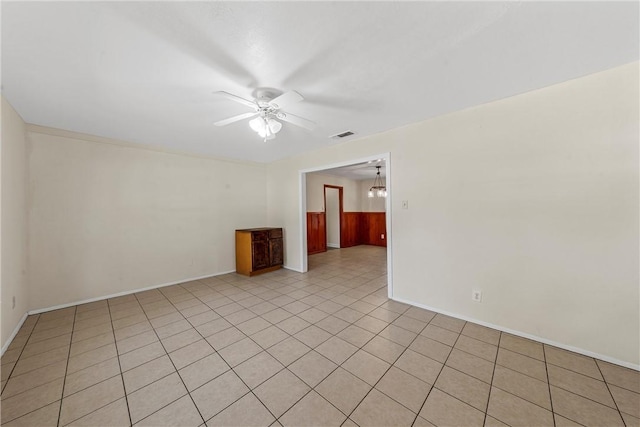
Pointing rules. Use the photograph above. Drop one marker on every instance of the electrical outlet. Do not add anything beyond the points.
(382, 236)
(13, 302)
(405, 204)
(476, 296)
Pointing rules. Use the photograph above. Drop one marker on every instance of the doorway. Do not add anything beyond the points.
(333, 212)
(303, 254)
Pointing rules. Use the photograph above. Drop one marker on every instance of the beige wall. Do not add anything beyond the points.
(108, 218)
(14, 223)
(532, 199)
(315, 192)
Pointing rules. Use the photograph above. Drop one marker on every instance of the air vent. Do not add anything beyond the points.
(342, 134)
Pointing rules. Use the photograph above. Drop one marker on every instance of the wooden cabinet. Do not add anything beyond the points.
(259, 250)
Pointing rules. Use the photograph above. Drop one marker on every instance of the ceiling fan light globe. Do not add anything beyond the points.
(274, 126)
(257, 124)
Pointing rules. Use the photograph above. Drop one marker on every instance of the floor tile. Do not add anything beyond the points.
(366, 366)
(288, 350)
(35, 398)
(522, 346)
(336, 349)
(90, 358)
(258, 369)
(240, 351)
(312, 410)
(513, 410)
(404, 388)
(141, 356)
(627, 401)
(419, 366)
(173, 328)
(37, 377)
(225, 338)
(246, 412)
(92, 375)
(620, 376)
(275, 315)
(420, 314)
(312, 368)
(312, 336)
(378, 409)
(293, 325)
(46, 345)
(219, 393)
(439, 334)
(46, 416)
(215, 326)
(281, 392)
(442, 409)
(371, 324)
(482, 333)
(155, 396)
(269, 336)
(384, 349)
(355, 335)
(41, 360)
(523, 364)
(90, 399)
(136, 341)
(572, 361)
(471, 365)
(146, 374)
(203, 371)
(344, 390)
(183, 339)
(477, 348)
(398, 335)
(115, 414)
(580, 384)
(430, 348)
(464, 387)
(410, 323)
(523, 386)
(182, 412)
(190, 353)
(92, 343)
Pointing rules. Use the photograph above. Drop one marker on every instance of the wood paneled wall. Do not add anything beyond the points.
(356, 228)
(316, 232)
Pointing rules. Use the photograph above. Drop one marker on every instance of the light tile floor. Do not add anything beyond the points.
(323, 348)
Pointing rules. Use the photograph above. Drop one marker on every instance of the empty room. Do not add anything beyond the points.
(320, 213)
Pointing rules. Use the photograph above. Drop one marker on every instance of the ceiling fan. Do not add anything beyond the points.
(266, 109)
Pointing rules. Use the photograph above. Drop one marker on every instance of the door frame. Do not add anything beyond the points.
(302, 213)
(326, 216)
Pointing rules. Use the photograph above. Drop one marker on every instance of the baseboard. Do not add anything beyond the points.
(526, 335)
(13, 334)
(333, 245)
(297, 270)
(119, 294)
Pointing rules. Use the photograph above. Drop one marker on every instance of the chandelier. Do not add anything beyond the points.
(378, 189)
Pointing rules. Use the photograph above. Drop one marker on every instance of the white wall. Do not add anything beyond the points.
(315, 192)
(14, 223)
(333, 217)
(531, 199)
(106, 217)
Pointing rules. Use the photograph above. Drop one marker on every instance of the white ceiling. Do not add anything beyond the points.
(145, 71)
(359, 171)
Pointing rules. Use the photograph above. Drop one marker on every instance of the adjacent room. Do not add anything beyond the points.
(320, 213)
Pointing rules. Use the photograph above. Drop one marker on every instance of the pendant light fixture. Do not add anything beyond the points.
(378, 189)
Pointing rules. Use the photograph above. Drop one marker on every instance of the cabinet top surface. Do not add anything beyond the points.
(260, 229)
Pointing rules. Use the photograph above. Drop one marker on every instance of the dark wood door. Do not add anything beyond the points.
(260, 254)
(316, 232)
(276, 253)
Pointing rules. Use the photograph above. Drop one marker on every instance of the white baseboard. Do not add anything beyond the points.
(526, 335)
(297, 270)
(13, 334)
(119, 294)
(333, 245)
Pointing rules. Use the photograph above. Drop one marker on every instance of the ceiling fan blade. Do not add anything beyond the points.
(286, 99)
(296, 120)
(235, 118)
(236, 99)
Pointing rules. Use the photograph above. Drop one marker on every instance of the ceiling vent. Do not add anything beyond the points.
(342, 134)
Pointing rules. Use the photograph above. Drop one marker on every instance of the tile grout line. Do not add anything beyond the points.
(115, 342)
(493, 374)
(64, 381)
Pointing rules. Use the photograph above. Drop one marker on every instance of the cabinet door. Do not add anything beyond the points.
(276, 254)
(260, 254)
